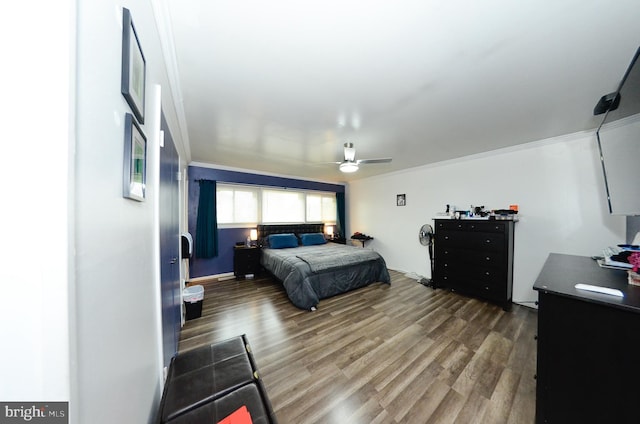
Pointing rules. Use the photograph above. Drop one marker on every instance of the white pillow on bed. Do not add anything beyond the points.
(310, 239)
(281, 241)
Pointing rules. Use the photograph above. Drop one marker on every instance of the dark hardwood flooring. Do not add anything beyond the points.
(403, 353)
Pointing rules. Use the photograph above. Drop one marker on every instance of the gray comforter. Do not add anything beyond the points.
(311, 273)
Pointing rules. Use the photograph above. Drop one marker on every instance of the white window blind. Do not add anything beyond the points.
(282, 206)
(321, 207)
(237, 204)
(241, 205)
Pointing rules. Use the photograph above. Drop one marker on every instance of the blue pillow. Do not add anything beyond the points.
(281, 241)
(310, 239)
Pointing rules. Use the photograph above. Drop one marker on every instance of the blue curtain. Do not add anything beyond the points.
(206, 223)
(341, 220)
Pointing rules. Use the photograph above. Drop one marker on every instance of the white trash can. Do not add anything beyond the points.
(192, 297)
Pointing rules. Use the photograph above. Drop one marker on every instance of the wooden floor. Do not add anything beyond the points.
(403, 353)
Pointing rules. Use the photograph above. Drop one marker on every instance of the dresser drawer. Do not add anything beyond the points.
(490, 291)
(471, 225)
(488, 226)
(484, 274)
(450, 225)
(252, 256)
(450, 254)
(471, 240)
(470, 284)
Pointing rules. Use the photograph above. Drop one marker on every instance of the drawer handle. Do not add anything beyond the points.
(488, 258)
(488, 241)
(446, 237)
(487, 273)
(486, 288)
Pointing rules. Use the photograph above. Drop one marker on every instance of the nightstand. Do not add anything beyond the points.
(246, 260)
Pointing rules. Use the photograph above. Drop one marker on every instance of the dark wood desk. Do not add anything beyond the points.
(588, 344)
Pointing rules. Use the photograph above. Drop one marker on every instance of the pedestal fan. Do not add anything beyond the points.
(426, 239)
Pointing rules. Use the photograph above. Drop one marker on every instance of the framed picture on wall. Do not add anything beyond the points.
(135, 160)
(401, 200)
(134, 67)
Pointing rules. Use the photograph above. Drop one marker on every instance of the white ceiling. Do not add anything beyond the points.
(278, 86)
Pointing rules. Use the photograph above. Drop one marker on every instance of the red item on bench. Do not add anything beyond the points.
(240, 416)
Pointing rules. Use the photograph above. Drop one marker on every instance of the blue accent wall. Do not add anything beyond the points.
(228, 237)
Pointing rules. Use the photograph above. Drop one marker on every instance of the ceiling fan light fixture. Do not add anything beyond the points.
(348, 167)
(349, 152)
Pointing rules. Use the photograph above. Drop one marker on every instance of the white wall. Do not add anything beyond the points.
(117, 362)
(36, 121)
(557, 184)
(79, 275)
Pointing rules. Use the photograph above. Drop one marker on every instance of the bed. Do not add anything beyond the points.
(311, 269)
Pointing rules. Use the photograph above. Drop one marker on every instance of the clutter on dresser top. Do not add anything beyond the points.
(479, 212)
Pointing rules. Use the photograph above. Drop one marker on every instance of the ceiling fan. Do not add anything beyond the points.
(350, 164)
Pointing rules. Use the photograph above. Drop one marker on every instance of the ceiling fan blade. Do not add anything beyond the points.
(324, 163)
(381, 160)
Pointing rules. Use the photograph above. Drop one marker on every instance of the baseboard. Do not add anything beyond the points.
(219, 277)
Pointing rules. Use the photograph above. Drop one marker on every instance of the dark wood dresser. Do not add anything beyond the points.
(588, 349)
(475, 257)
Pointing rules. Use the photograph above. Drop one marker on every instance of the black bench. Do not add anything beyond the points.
(209, 383)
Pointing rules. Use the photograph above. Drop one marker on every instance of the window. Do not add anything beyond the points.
(239, 205)
(321, 207)
(282, 206)
(236, 204)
